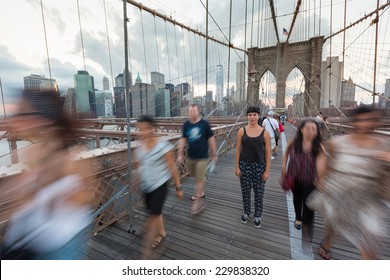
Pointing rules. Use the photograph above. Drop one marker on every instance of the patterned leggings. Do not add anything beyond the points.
(251, 177)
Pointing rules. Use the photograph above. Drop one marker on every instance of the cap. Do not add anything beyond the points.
(271, 113)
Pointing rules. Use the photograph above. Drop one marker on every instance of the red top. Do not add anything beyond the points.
(281, 128)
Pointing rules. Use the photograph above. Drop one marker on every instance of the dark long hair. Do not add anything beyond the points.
(48, 105)
(298, 140)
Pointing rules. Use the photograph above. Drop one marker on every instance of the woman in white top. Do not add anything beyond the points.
(156, 166)
(47, 207)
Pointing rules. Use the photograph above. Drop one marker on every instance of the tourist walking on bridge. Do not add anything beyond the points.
(156, 165)
(46, 208)
(353, 187)
(253, 156)
(301, 162)
(272, 126)
(198, 135)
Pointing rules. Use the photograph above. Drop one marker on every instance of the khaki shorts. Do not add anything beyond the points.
(273, 143)
(198, 168)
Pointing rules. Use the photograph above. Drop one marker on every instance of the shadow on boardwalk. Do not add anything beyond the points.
(217, 233)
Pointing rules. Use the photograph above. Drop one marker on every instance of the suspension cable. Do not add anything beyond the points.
(47, 47)
(108, 44)
(143, 40)
(81, 34)
(155, 34)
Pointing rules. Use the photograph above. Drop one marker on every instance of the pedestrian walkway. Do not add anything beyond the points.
(217, 232)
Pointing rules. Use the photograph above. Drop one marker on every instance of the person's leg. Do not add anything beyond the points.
(297, 200)
(200, 174)
(245, 188)
(273, 145)
(368, 254)
(258, 189)
(154, 226)
(324, 250)
(308, 214)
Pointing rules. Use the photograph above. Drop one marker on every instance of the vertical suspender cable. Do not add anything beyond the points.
(345, 22)
(2, 98)
(81, 34)
(228, 74)
(253, 8)
(184, 52)
(319, 20)
(258, 25)
(330, 53)
(108, 44)
(191, 57)
(177, 56)
(308, 26)
(246, 17)
(128, 112)
(169, 65)
(47, 47)
(207, 51)
(143, 40)
(314, 28)
(376, 53)
(155, 35)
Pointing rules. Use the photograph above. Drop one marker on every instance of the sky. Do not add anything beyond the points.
(23, 49)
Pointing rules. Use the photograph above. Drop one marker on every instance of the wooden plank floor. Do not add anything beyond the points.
(217, 233)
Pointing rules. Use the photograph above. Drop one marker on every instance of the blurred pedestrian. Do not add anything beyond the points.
(272, 126)
(281, 130)
(353, 186)
(253, 155)
(156, 166)
(46, 208)
(198, 135)
(301, 159)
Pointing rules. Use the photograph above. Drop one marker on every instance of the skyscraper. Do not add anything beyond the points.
(106, 83)
(119, 80)
(331, 82)
(70, 103)
(37, 82)
(157, 80)
(240, 82)
(85, 94)
(143, 98)
(348, 93)
(104, 103)
(219, 85)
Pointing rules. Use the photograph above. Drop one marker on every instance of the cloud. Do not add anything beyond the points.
(11, 71)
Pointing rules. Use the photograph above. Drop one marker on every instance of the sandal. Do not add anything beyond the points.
(324, 253)
(195, 197)
(297, 226)
(158, 240)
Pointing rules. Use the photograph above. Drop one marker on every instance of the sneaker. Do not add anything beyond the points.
(274, 154)
(272, 157)
(244, 218)
(257, 222)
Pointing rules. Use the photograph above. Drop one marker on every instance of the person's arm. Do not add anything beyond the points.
(180, 148)
(212, 142)
(285, 158)
(169, 157)
(213, 147)
(238, 151)
(267, 146)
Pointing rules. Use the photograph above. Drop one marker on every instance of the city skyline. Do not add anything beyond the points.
(176, 61)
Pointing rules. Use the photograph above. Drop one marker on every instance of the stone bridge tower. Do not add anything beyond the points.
(280, 60)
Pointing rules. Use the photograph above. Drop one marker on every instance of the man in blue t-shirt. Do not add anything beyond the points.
(198, 135)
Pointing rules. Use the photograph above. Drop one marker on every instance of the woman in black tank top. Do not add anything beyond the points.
(253, 155)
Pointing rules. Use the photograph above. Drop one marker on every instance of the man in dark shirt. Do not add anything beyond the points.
(198, 135)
